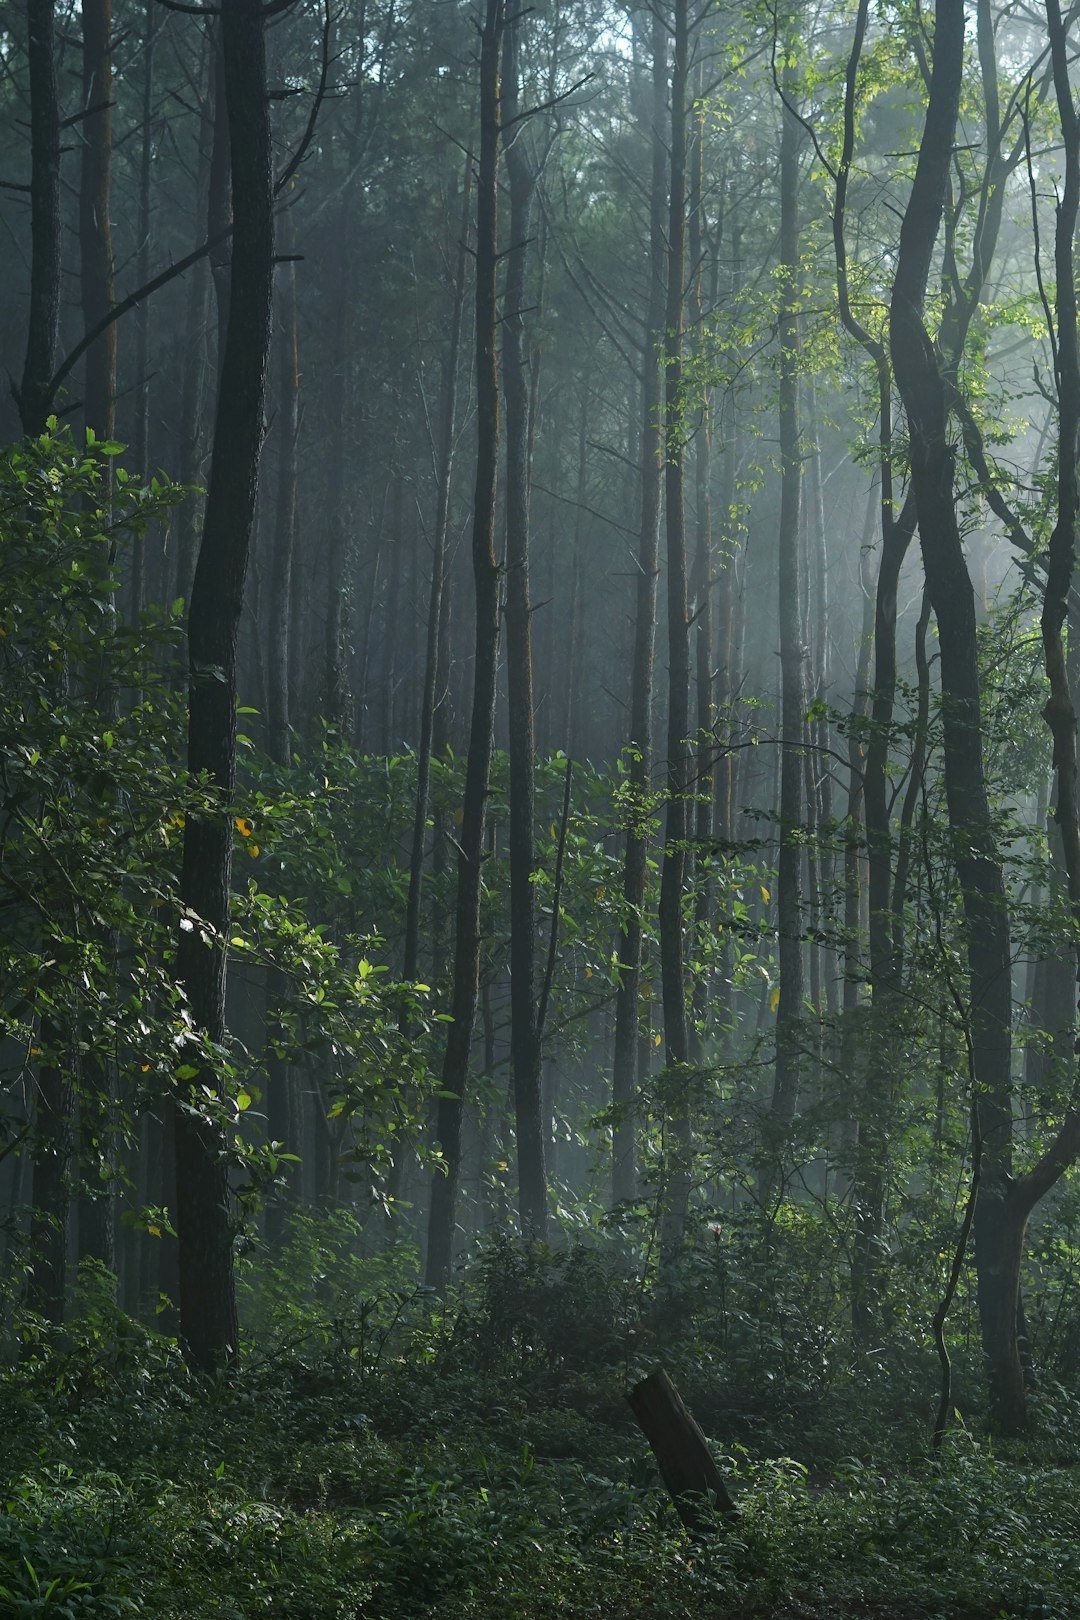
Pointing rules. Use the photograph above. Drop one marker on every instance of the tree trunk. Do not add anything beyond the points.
(35, 388)
(208, 1324)
(625, 1069)
(95, 225)
(434, 668)
(681, 1450)
(455, 1071)
(792, 668)
(524, 1028)
(673, 867)
(924, 393)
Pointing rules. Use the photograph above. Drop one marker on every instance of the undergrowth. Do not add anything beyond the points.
(393, 1457)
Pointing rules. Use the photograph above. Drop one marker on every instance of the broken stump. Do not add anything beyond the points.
(679, 1447)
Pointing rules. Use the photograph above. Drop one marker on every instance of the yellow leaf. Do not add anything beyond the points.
(600, 893)
(244, 826)
(144, 1068)
(656, 1038)
(774, 998)
(588, 972)
(765, 895)
(253, 850)
(154, 1231)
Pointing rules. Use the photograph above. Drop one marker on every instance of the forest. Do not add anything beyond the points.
(539, 810)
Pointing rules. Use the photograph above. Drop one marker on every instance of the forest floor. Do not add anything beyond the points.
(390, 1461)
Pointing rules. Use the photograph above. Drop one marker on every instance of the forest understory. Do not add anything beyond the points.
(389, 1458)
(539, 809)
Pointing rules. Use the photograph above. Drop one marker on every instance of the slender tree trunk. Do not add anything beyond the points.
(434, 668)
(455, 1072)
(208, 1324)
(141, 434)
(625, 1069)
(282, 1102)
(35, 390)
(95, 224)
(702, 594)
(525, 1032)
(792, 672)
(673, 867)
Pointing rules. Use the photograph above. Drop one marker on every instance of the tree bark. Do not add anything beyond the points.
(524, 1028)
(95, 224)
(625, 1072)
(792, 674)
(923, 389)
(35, 390)
(208, 1326)
(455, 1071)
(673, 867)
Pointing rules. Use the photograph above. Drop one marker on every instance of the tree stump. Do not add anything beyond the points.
(679, 1447)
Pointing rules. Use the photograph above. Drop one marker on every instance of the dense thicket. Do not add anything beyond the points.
(595, 486)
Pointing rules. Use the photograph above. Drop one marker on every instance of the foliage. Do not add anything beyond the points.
(384, 1457)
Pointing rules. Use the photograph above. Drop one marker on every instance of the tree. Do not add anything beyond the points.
(204, 1225)
(486, 587)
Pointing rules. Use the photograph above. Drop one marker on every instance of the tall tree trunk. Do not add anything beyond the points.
(897, 530)
(673, 867)
(35, 390)
(141, 434)
(924, 393)
(282, 1101)
(281, 570)
(95, 224)
(455, 1071)
(792, 672)
(524, 1028)
(208, 1326)
(625, 1075)
(434, 669)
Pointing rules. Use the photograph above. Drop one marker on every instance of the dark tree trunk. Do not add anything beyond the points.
(282, 1102)
(208, 1325)
(35, 388)
(923, 389)
(676, 822)
(141, 434)
(281, 571)
(455, 1072)
(434, 668)
(792, 672)
(524, 1032)
(95, 224)
(625, 1069)
(681, 1450)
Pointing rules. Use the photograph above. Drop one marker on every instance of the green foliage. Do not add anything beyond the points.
(385, 1458)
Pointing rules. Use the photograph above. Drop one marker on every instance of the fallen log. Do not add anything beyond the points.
(686, 1465)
